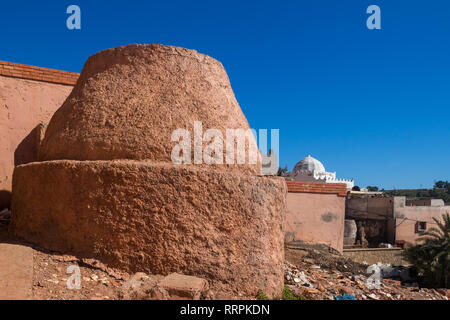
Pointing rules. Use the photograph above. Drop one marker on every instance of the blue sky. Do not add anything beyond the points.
(370, 104)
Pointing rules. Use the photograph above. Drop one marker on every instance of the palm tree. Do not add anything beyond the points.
(432, 255)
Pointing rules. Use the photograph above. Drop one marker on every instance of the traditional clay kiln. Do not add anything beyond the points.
(106, 187)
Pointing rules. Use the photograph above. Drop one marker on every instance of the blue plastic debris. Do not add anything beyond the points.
(345, 297)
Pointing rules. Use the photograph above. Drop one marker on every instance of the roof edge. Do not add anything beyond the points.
(23, 71)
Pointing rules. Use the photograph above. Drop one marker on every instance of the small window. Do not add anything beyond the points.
(421, 226)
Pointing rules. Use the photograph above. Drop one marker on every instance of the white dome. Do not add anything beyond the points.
(309, 164)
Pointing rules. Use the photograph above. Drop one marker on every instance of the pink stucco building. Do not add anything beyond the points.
(28, 95)
(315, 213)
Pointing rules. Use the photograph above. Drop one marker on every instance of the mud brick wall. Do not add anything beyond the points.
(374, 255)
(29, 95)
(316, 213)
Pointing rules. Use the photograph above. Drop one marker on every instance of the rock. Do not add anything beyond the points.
(158, 293)
(172, 287)
(346, 290)
(142, 287)
(321, 288)
(184, 287)
(209, 295)
(444, 292)
(64, 258)
(53, 281)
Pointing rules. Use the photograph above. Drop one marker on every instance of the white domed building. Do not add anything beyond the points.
(311, 169)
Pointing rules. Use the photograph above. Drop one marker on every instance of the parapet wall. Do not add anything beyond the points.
(23, 71)
(28, 95)
(339, 189)
(316, 213)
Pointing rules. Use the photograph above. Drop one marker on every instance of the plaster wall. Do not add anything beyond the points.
(406, 219)
(315, 218)
(23, 105)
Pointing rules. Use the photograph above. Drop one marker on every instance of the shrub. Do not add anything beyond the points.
(289, 295)
(261, 296)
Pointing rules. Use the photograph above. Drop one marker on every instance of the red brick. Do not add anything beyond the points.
(37, 73)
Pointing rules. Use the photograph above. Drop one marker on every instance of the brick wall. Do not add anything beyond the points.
(17, 70)
(374, 255)
(317, 187)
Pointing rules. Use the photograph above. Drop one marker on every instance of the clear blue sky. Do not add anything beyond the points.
(371, 104)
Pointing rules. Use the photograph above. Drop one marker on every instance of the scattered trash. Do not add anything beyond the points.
(373, 296)
(345, 296)
(333, 281)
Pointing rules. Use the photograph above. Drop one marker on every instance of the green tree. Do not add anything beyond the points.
(432, 255)
(372, 188)
(441, 184)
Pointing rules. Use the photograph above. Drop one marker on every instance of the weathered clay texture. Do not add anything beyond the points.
(129, 100)
(108, 188)
(157, 218)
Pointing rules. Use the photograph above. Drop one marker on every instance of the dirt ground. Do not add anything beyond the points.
(312, 274)
(50, 275)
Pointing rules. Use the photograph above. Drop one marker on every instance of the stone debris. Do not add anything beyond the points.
(5, 215)
(327, 283)
(172, 287)
(184, 287)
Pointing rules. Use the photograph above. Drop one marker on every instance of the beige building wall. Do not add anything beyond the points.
(407, 218)
(28, 96)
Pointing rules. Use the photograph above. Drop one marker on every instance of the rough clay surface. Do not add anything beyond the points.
(129, 100)
(157, 218)
(16, 271)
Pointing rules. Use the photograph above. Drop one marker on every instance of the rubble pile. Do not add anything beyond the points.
(319, 279)
(5, 216)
